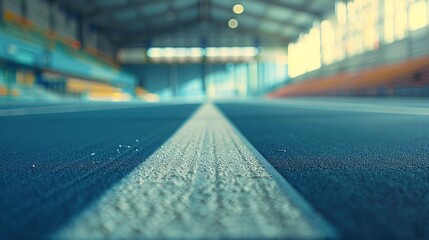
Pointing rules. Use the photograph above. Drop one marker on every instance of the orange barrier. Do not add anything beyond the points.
(143, 94)
(400, 74)
(140, 91)
(4, 91)
(12, 17)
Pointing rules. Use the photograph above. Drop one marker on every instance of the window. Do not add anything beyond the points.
(328, 42)
(395, 20)
(304, 55)
(389, 21)
(418, 14)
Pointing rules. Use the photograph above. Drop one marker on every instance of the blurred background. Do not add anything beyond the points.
(156, 50)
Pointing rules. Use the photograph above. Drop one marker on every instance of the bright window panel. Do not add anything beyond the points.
(400, 19)
(418, 15)
(341, 12)
(328, 42)
(388, 21)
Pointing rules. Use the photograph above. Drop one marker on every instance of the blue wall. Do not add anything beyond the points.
(168, 80)
(186, 80)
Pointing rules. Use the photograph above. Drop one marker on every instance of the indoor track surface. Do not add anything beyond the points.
(297, 168)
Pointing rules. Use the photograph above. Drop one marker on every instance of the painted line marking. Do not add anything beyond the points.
(339, 106)
(74, 108)
(204, 182)
(293, 195)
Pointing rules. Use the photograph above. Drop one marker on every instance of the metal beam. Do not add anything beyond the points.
(169, 28)
(204, 10)
(263, 17)
(56, 1)
(101, 11)
(132, 38)
(301, 9)
(1, 10)
(90, 7)
(149, 18)
(250, 31)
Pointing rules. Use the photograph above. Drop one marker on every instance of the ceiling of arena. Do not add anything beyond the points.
(201, 22)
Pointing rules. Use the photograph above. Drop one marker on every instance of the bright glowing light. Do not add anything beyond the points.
(341, 12)
(171, 54)
(308, 45)
(249, 51)
(233, 23)
(232, 52)
(418, 16)
(155, 52)
(194, 52)
(355, 29)
(400, 17)
(175, 52)
(238, 9)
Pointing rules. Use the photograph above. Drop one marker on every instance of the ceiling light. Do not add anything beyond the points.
(233, 23)
(238, 9)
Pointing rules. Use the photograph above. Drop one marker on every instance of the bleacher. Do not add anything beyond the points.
(23, 28)
(408, 78)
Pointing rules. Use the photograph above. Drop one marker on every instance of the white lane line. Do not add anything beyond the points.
(70, 108)
(293, 195)
(204, 182)
(344, 106)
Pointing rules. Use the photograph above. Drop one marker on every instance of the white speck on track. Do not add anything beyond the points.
(204, 182)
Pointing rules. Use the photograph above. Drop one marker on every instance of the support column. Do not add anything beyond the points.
(24, 9)
(1, 10)
(173, 79)
(204, 67)
(10, 75)
(148, 44)
(203, 75)
(38, 75)
(52, 22)
(81, 23)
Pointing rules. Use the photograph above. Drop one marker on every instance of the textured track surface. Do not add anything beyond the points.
(203, 183)
(362, 164)
(366, 172)
(52, 166)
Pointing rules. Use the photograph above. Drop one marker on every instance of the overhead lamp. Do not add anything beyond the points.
(232, 23)
(238, 9)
